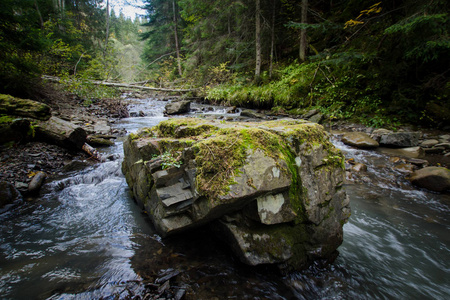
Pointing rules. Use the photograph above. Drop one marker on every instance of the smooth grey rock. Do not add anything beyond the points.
(411, 152)
(444, 145)
(377, 133)
(405, 168)
(311, 113)
(21, 186)
(102, 127)
(178, 107)
(36, 182)
(359, 140)
(400, 139)
(317, 118)
(445, 138)
(359, 167)
(252, 114)
(432, 178)
(429, 143)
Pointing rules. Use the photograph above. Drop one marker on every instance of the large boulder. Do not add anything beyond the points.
(177, 107)
(359, 140)
(272, 189)
(432, 178)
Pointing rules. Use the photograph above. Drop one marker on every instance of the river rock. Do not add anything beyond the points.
(252, 114)
(445, 138)
(8, 195)
(429, 143)
(400, 139)
(317, 118)
(444, 145)
(10, 105)
(411, 152)
(359, 139)
(36, 182)
(310, 113)
(359, 167)
(102, 127)
(272, 189)
(405, 168)
(432, 178)
(377, 133)
(177, 107)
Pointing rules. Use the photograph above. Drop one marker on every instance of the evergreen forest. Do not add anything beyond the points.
(380, 63)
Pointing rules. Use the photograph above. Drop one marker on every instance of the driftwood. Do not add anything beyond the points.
(125, 85)
(62, 133)
(92, 152)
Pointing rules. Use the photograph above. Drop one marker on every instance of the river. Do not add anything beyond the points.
(85, 238)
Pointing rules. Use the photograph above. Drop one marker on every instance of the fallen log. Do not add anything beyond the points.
(92, 152)
(126, 85)
(62, 133)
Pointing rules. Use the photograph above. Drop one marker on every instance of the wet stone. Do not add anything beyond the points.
(254, 191)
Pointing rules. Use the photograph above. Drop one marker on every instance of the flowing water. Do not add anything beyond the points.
(86, 239)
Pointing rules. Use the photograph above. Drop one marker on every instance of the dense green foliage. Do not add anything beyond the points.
(378, 62)
(66, 38)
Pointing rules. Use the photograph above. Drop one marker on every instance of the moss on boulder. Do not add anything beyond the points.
(268, 183)
(10, 105)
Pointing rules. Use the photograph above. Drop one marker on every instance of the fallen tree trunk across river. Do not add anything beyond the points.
(124, 85)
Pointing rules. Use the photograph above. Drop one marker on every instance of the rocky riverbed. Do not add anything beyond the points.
(83, 232)
(23, 155)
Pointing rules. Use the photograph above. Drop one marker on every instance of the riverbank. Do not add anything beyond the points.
(21, 160)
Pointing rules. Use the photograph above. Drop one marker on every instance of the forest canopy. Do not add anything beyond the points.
(379, 62)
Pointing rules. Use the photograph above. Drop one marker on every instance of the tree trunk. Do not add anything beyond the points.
(175, 20)
(62, 133)
(107, 28)
(304, 20)
(41, 21)
(92, 152)
(125, 85)
(272, 43)
(258, 40)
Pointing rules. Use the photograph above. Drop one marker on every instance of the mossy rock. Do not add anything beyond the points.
(284, 177)
(13, 106)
